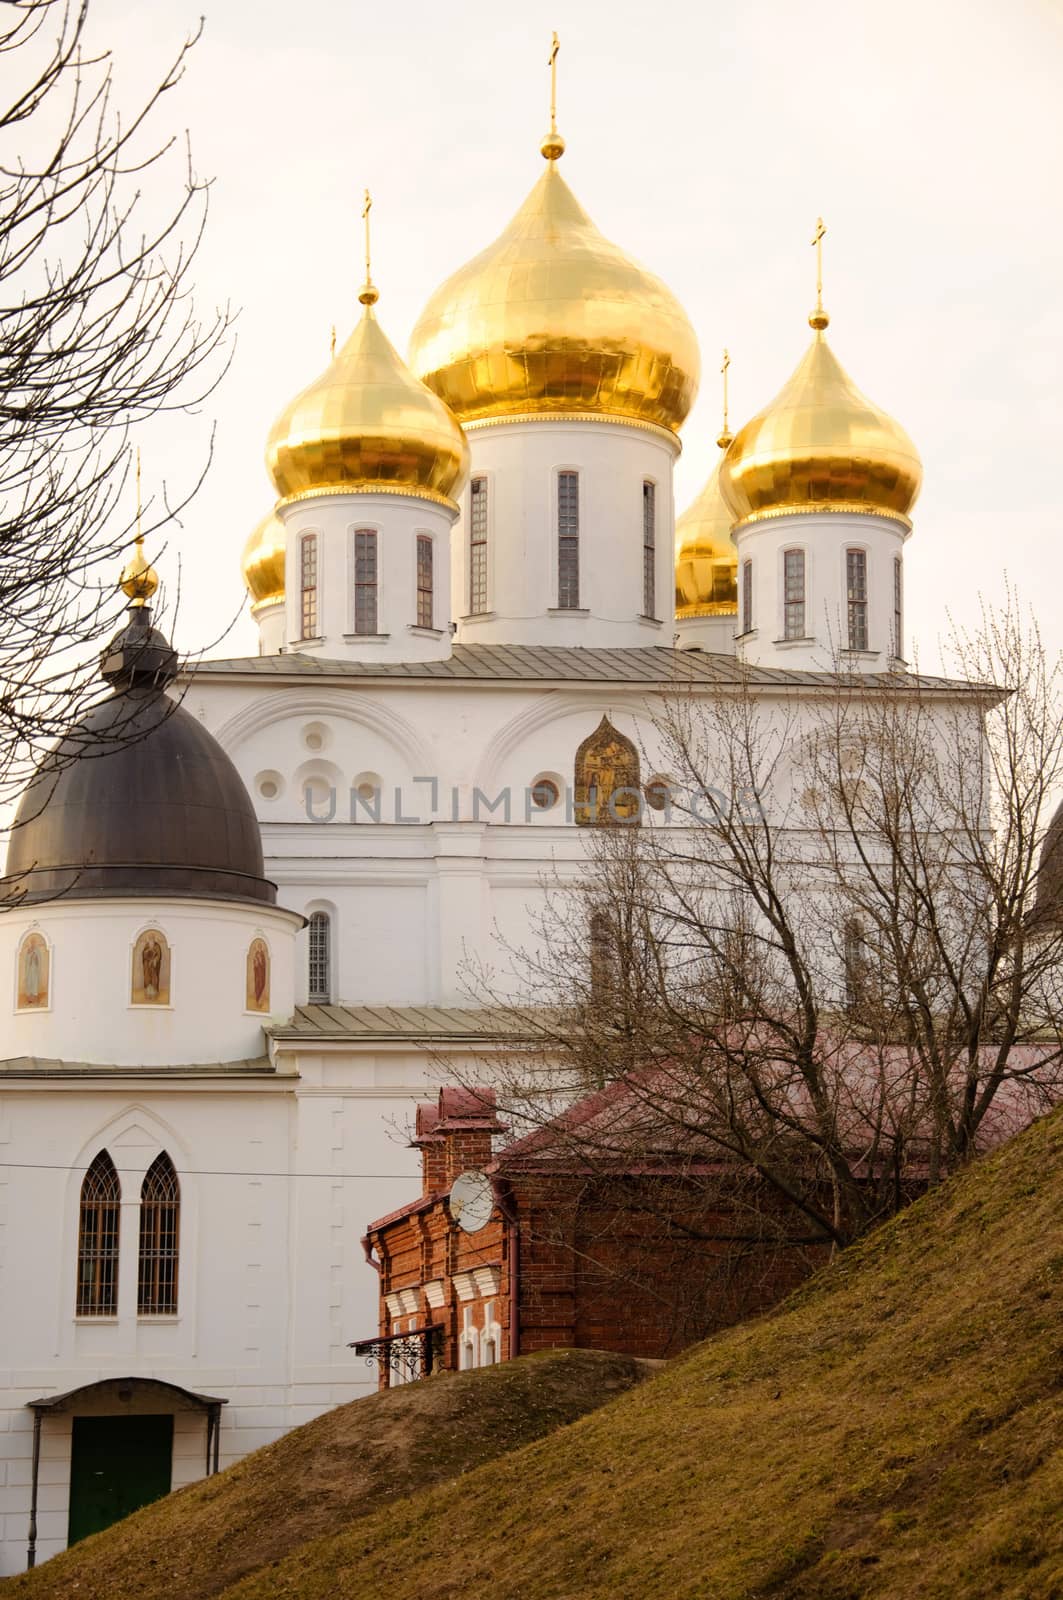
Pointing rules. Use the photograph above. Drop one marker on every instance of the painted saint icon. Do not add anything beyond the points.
(258, 976)
(151, 969)
(34, 973)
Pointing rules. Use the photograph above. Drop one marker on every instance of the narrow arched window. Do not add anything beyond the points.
(603, 956)
(649, 548)
(747, 596)
(98, 1223)
(855, 960)
(424, 581)
(478, 546)
(898, 609)
(320, 958)
(160, 1232)
(365, 581)
(568, 541)
(308, 585)
(856, 597)
(793, 563)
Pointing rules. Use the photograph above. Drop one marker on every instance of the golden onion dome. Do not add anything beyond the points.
(553, 319)
(706, 561)
(263, 562)
(367, 425)
(820, 446)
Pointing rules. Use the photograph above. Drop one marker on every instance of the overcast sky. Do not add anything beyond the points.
(705, 138)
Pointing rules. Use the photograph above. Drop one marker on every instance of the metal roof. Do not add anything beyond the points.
(399, 1022)
(654, 665)
(48, 1067)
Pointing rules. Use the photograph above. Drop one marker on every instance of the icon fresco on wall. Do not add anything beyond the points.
(607, 779)
(151, 969)
(258, 976)
(34, 973)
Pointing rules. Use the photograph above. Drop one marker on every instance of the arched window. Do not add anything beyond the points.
(649, 548)
(101, 1202)
(898, 609)
(855, 962)
(607, 779)
(478, 546)
(160, 1230)
(365, 581)
(568, 541)
(308, 585)
(793, 562)
(603, 955)
(319, 983)
(747, 597)
(424, 581)
(856, 597)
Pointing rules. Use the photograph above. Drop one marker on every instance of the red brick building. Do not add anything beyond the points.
(634, 1259)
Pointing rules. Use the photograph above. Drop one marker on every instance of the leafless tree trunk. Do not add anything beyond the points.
(100, 222)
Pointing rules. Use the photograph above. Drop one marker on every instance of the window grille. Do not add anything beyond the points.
(856, 593)
(160, 1224)
(649, 548)
(101, 1201)
(478, 546)
(747, 596)
(424, 581)
(319, 931)
(898, 609)
(308, 584)
(365, 581)
(568, 541)
(794, 594)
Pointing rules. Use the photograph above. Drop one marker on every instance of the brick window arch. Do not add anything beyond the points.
(160, 1233)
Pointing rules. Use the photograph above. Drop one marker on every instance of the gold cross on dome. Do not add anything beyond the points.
(554, 48)
(368, 206)
(817, 240)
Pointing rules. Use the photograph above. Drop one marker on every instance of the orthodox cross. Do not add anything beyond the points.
(554, 48)
(817, 241)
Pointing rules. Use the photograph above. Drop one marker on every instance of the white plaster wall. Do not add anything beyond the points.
(270, 621)
(713, 634)
(521, 461)
(398, 519)
(824, 537)
(90, 1017)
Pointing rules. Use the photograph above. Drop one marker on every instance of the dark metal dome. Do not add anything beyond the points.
(1047, 913)
(138, 799)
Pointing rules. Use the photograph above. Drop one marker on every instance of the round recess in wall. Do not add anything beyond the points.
(658, 792)
(545, 792)
(270, 785)
(317, 736)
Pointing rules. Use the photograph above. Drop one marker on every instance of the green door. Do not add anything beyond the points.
(117, 1465)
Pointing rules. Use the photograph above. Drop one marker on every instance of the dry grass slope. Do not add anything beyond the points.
(895, 1432)
(324, 1476)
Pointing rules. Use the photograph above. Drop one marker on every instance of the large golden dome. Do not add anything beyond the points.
(263, 562)
(706, 561)
(368, 425)
(820, 446)
(553, 319)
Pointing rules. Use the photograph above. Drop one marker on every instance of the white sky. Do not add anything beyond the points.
(704, 138)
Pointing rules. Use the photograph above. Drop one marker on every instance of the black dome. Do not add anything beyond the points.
(138, 799)
(1048, 898)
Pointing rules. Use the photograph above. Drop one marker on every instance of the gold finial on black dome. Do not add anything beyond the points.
(139, 579)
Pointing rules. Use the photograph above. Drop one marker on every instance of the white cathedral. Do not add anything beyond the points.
(240, 937)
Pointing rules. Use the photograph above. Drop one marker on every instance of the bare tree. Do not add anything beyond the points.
(826, 977)
(100, 223)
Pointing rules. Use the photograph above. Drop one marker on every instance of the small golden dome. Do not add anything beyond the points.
(706, 561)
(139, 579)
(263, 562)
(820, 446)
(552, 318)
(368, 425)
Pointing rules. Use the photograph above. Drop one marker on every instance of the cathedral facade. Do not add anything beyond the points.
(240, 947)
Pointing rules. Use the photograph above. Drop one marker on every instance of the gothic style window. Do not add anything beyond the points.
(856, 595)
(793, 594)
(649, 548)
(898, 609)
(747, 596)
(603, 955)
(308, 584)
(568, 541)
(478, 546)
(424, 581)
(365, 581)
(160, 1227)
(320, 932)
(855, 962)
(101, 1200)
(607, 779)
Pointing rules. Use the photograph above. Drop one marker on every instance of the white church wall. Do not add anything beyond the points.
(91, 1015)
(521, 461)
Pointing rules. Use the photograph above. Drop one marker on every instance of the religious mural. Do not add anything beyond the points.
(258, 976)
(34, 973)
(607, 779)
(151, 969)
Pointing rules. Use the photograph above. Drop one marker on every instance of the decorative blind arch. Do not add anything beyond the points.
(98, 1225)
(607, 779)
(160, 1234)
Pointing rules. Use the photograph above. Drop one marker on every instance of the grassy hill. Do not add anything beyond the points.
(894, 1432)
(326, 1475)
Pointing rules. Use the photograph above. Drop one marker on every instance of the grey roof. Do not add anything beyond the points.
(46, 1067)
(398, 1022)
(656, 665)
